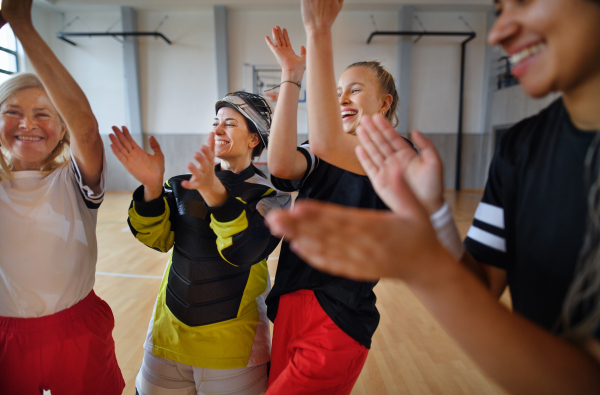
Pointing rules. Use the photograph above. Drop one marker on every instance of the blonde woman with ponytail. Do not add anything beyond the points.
(55, 333)
(323, 324)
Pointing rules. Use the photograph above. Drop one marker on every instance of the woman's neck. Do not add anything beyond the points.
(583, 104)
(236, 165)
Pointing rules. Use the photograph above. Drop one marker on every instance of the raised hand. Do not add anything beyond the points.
(362, 244)
(16, 12)
(320, 14)
(388, 158)
(203, 177)
(2, 20)
(285, 55)
(146, 168)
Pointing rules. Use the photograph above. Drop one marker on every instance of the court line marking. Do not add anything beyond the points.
(128, 275)
(149, 276)
(138, 275)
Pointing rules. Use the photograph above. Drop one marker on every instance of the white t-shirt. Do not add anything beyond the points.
(48, 244)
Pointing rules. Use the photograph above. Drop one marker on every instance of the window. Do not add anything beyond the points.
(8, 53)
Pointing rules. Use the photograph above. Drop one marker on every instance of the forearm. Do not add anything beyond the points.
(65, 93)
(153, 191)
(324, 117)
(283, 137)
(149, 221)
(214, 196)
(519, 355)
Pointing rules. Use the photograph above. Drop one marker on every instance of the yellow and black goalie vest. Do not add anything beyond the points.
(206, 312)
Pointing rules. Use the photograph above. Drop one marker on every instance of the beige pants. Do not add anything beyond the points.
(161, 376)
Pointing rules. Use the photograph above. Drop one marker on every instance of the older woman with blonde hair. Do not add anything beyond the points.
(55, 333)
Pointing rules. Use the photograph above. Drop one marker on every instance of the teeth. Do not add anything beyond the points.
(344, 113)
(525, 53)
(221, 142)
(27, 138)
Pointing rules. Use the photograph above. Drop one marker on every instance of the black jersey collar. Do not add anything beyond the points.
(231, 177)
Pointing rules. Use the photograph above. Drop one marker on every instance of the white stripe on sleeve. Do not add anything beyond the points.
(491, 215)
(313, 158)
(488, 239)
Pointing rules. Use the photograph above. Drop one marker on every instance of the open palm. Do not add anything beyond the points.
(146, 168)
(282, 49)
(203, 172)
(387, 158)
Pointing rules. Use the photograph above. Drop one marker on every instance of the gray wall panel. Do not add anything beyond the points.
(117, 178)
(179, 149)
(475, 162)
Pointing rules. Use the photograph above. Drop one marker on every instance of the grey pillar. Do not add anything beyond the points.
(405, 19)
(131, 66)
(221, 50)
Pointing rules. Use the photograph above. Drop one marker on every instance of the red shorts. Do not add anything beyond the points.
(310, 353)
(70, 352)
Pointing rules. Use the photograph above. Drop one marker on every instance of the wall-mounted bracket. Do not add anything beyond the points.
(63, 36)
(470, 36)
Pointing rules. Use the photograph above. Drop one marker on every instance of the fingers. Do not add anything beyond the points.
(422, 142)
(280, 222)
(302, 51)
(210, 152)
(324, 236)
(304, 216)
(154, 146)
(116, 142)
(124, 138)
(277, 37)
(365, 133)
(269, 43)
(210, 141)
(393, 138)
(428, 150)
(117, 151)
(201, 158)
(365, 161)
(286, 39)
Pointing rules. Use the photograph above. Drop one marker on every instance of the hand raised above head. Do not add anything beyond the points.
(285, 55)
(146, 168)
(387, 157)
(320, 14)
(16, 12)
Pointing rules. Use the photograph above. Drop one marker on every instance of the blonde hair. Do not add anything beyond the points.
(59, 155)
(387, 86)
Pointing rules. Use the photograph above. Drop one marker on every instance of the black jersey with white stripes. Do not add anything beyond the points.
(532, 218)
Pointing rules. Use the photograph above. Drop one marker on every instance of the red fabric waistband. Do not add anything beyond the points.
(17, 324)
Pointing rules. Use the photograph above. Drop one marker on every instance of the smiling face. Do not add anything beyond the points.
(233, 141)
(359, 94)
(553, 45)
(30, 128)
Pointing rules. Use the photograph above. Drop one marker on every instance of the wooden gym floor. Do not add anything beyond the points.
(411, 353)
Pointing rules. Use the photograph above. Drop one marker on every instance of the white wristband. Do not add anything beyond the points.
(446, 231)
